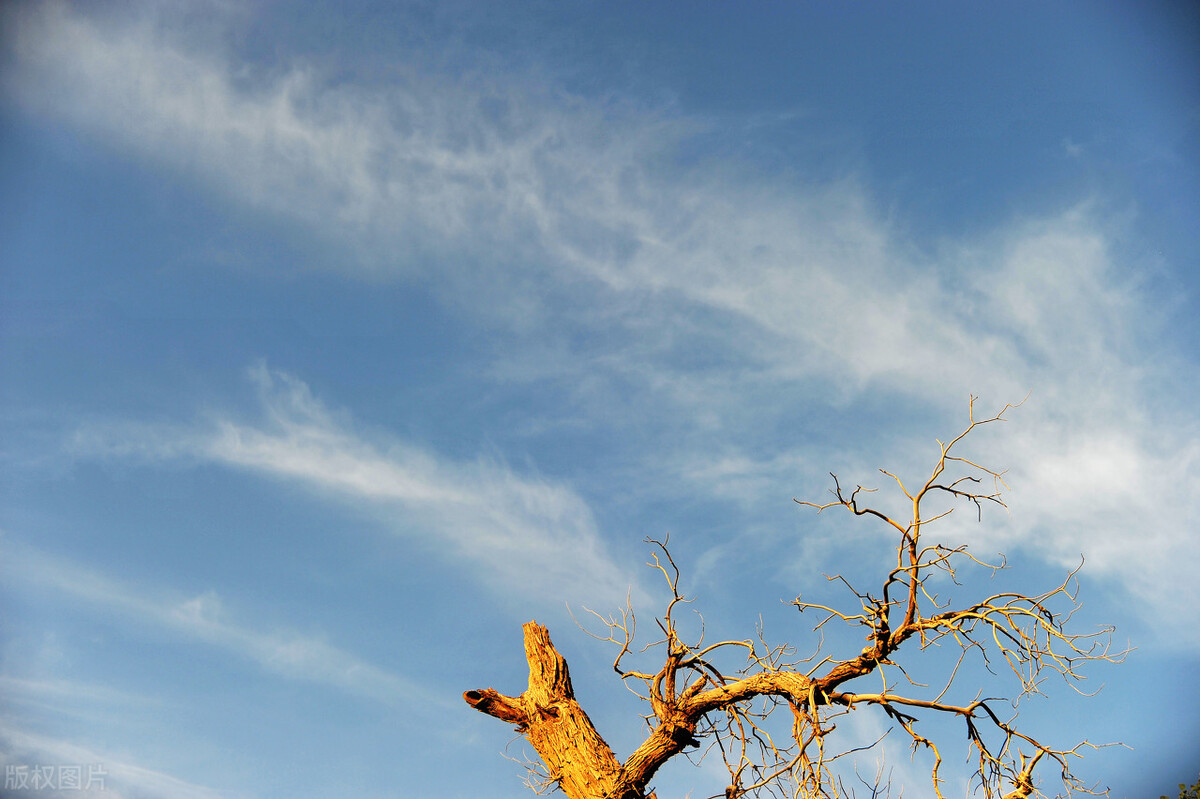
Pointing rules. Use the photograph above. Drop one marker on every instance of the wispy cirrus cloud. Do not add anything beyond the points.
(799, 281)
(89, 773)
(521, 534)
(783, 287)
(202, 618)
(552, 188)
(87, 702)
(421, 163)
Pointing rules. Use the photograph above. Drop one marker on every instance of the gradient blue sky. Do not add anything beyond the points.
(339, 339)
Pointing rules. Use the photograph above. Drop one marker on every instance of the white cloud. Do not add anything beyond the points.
(72, 692)
(418, 165)
(84, 703)
(797, 283)
(1124, 497)
(90, 773)
(525, 536)
(293, 655)
(809, 280)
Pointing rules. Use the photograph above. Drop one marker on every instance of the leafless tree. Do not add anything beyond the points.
(770, 717)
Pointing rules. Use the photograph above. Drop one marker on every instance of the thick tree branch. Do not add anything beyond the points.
(576, 756)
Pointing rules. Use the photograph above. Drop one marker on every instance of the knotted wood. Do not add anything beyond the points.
(577, 758)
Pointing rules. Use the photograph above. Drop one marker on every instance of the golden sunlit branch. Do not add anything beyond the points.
(703, 700)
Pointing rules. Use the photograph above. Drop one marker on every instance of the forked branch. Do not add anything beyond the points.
(725, 699)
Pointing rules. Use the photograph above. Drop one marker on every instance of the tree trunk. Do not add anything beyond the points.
(558, 729)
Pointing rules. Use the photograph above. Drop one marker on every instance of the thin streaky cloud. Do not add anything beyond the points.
(64, 689)
(525, 536)
(202, 618)
(90, 702)
(101, 775)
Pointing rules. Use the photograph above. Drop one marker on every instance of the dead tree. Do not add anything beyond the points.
(770, 718)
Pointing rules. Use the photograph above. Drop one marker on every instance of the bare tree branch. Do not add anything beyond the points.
(703, 698)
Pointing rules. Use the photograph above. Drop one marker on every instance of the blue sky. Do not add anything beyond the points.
(339, 339)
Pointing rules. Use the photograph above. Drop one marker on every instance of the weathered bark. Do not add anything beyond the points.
(558, 729)
(575, 754)
(677, 726)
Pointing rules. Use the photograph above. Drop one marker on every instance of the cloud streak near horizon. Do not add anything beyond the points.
(202, 618)
(100, 775)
